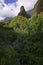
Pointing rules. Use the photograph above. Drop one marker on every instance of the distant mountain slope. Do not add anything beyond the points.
(7, 18)
(30, 12)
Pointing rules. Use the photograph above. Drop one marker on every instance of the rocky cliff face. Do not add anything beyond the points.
(23, 12)
(38, 7)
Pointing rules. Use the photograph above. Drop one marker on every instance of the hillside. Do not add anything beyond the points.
(38, 7)
(21, 41)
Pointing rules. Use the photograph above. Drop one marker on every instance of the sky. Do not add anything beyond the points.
(10, 8)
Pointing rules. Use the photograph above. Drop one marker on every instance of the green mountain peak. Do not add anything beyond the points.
(23, 12)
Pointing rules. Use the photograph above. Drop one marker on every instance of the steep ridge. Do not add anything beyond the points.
(38, 7)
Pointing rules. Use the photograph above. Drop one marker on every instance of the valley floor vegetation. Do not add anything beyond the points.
(21, 41)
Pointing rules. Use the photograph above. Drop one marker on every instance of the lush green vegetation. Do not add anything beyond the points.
(21, 41)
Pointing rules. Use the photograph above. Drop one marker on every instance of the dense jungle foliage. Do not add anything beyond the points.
(21, 41)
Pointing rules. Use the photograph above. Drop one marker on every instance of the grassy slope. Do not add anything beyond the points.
(28, 36)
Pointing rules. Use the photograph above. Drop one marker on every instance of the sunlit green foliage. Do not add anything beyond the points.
(27, 34)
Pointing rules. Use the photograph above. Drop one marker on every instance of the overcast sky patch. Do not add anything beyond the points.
(10, 8)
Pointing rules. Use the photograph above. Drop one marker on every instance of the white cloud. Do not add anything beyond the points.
(12, 10)
(6, 11)
(2, 1)
(2, 18)
(28, 4)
